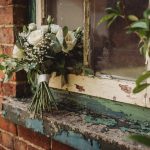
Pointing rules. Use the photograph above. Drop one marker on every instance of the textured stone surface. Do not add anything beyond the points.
(71, 128)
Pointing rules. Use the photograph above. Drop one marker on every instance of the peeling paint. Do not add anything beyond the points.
(35, 124)
(125, 88)
(70, 128)
(106, 107)
(80, 88)
(108, 122)
(77, 141)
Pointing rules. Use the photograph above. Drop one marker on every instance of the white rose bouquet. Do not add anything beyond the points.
(40, 52)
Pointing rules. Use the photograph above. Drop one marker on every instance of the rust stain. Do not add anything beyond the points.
(125, 88)
(80, 88)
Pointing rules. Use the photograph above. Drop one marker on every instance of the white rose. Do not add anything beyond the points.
(55, 28)
(44, 29)
(69, 39)
(17, 53)
(32, 27)
(35, 37)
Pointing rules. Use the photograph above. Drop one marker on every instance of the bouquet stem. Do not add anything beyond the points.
(42, 100)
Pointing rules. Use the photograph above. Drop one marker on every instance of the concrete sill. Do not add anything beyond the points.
(70, 128)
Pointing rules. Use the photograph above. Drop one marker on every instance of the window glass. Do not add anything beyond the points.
(113, 51)
(66, 12)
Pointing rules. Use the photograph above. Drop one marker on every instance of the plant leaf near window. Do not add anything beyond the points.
(40, 52)
(140, 27)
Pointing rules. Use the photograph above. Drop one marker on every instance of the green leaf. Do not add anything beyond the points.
(2, 67)
(4, 56)
(146, 13)
(140, 87)
(141, 139)
(133, 18)
(65, 31)
(25, 29)
(140, 24)
(106, 18)
(143, 77)
(111, 21)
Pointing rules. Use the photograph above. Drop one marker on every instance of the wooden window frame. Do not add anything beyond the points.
(103, 86)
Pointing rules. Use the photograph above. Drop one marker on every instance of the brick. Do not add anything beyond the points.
(34, 138)
(5, 2)
(6, 15)
(7, 141)
(7, 35)
(15, 90)
(10, 2)
(6, 50)
(32, 148)
(59, 146)
(19, 145)
(8, 126)
(7, 89)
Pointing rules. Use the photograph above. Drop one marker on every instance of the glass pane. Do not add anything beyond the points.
(66, 12)
(113, 51)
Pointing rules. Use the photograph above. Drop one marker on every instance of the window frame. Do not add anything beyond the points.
(105, 86)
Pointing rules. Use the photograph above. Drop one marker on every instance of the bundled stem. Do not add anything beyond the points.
(43, 100)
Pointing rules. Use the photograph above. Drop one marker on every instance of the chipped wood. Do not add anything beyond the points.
(86, 32)
(112, 89)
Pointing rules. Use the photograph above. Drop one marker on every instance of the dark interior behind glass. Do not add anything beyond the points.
(113, 51)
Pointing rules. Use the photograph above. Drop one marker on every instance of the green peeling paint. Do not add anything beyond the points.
(103, 121)
(105, 106)
(35, 124)
(77, 141)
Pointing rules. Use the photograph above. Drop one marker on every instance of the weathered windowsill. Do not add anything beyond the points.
(70, 128)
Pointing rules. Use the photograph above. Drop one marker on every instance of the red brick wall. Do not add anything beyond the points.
(13, 13)
(14, 137)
